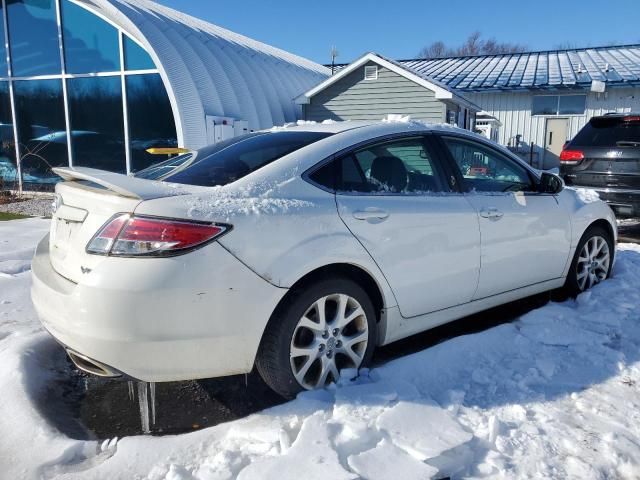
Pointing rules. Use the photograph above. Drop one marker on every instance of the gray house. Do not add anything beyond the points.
(372, 87)
(531, 102)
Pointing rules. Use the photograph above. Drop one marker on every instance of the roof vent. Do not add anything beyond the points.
(371, 72)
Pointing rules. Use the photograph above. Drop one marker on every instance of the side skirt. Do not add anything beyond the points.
(398, 327)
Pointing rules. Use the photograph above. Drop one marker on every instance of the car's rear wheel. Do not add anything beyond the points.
(321, 329)
(592, 261)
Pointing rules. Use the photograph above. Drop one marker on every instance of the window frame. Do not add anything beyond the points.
(558, 113)
(463, 183)
(442, 166)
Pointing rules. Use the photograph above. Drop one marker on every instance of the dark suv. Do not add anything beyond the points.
(605, 156)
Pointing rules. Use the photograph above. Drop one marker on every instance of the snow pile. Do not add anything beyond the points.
(553, 395)
(396, 118)
(586, 195)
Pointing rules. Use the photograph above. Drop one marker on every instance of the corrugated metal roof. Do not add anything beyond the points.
(209, 70)
(618, 65)
(576, 68)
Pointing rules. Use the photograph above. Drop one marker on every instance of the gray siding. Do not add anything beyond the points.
(513, 109)
(354, 98)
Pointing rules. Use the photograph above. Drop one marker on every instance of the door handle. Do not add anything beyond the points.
(370, 213)
(492, 213)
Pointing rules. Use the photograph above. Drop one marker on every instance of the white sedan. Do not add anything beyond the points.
(299, 250)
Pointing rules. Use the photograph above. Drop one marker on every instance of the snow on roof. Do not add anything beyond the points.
(209, 70)
(573, 68)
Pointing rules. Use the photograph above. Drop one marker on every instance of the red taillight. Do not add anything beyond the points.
(631, 118)
(127, 235)
(571, 157)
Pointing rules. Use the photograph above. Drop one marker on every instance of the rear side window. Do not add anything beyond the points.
(227, 162)
(394, 167)
(609, 132)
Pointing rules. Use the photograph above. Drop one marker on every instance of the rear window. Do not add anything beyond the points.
(609, 132)
(228, 161)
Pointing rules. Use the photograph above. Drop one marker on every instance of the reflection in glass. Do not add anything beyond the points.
(151, 121)
(136, 57)
(97, 126)
(33, 36)
(41, 129)
(90, 43)
(3, 51)
(8, 170)
(545, 105)
(572, 104)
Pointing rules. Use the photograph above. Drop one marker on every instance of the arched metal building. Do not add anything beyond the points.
(98, 82)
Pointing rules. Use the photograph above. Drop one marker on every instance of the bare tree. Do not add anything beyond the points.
(473, 45)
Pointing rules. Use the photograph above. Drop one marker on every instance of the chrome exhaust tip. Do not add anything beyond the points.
(91, 366)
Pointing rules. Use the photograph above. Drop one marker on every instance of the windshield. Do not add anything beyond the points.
(609, 132)
(228, 161)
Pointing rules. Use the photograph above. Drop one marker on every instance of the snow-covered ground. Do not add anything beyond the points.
(555, 394)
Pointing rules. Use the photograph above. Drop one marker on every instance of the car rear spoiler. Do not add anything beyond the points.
(123, 185)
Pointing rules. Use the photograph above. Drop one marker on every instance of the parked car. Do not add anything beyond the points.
(605, 156)
(300, 250)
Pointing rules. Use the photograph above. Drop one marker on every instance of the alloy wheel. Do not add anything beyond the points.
(593, 263)
(331, 335)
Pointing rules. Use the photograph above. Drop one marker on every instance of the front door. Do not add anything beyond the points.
(427, 244)
(554, 140)
(525, 234)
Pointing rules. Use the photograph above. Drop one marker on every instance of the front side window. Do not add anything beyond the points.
(228, 161)
(397, 167)
(486, 170)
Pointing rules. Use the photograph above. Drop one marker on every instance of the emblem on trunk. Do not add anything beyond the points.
(614, 153)
(85, 270)
(57, 202)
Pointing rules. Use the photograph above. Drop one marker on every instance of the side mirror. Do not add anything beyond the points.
(550, 183)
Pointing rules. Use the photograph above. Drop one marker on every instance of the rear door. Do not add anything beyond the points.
(526, 236)
(395, 198)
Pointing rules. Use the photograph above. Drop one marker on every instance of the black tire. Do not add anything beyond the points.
(571, 286)
(273, 361)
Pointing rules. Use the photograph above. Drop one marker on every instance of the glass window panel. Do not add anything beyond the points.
(572, 104)
(486, 170)
(3, 52)
(400, 166)
(41, 129)
(136, 57)
(151, 121)
(33, 36)
(90, 43)
(8, 170)
(97, 125)
(545, 105)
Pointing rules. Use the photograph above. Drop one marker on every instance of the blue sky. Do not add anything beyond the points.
(400, 28)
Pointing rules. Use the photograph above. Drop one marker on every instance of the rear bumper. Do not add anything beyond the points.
(625, 203)
(199, 315)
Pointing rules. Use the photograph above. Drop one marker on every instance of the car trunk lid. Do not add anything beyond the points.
(85, 201)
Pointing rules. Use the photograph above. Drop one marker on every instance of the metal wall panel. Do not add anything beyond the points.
(208, 70)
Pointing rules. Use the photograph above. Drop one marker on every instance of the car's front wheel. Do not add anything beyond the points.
(321, 329)
(592, 261)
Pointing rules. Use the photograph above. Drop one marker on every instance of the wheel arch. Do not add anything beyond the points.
(342, 270)
(604, 224)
